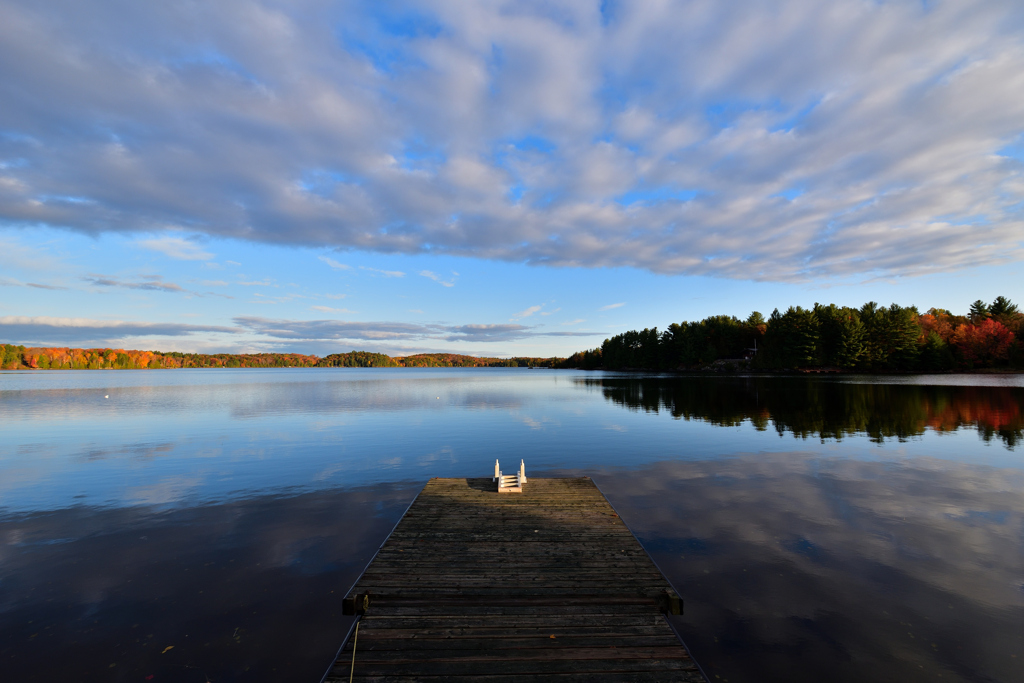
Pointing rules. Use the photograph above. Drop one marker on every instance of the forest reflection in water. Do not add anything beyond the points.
(825, 409)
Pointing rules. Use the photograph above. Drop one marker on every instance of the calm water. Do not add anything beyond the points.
(185, 525)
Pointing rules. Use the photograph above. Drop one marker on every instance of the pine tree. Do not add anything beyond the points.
(979, 312)
(1002, 307)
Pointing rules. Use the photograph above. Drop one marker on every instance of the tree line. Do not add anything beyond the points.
(871, 338)
(17, 357)
(365, 359)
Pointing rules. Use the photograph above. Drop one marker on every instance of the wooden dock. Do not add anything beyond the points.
(473, 585)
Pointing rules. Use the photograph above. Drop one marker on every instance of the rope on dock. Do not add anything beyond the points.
(354, 641)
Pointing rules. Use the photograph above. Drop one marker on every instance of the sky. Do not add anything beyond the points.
(497, 178)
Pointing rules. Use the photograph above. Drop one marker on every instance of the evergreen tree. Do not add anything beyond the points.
(936, 354)
(842, 335)
(804, 334)
(1002, 307)
(890, 337)
(869, 317)
(771, 354)
(979, 312)
(791, 339)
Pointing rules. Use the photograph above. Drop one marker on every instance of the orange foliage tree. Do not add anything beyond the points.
(985, 344)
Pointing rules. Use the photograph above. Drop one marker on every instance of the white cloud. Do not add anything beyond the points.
(611, 306)
(527, 313)
(176, 248)
(8, 282)
(385, 273)
(337, 265)
(153, 283)
(785, 140)
(328, 309)
(438, 279)
(323, 330)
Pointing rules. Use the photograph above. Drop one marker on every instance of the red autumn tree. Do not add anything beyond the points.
(984, 344)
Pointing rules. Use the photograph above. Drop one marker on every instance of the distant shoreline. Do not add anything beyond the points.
(21, 358)
(14, 357)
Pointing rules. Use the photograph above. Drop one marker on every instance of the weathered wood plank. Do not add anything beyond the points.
(440, 667)
(376, 643)
(603, 677)
(549, 582)
(416, 630)
(553, 658)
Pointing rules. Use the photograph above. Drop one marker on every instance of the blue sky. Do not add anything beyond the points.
(496, 178)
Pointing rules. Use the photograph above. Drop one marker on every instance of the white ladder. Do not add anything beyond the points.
(510, 483)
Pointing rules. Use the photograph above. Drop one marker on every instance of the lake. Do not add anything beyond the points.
(194, 525)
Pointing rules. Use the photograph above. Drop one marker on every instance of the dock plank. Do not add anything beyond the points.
(476, 586)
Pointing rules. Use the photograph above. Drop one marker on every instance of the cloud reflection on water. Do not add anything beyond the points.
(96, 595)
(858, 570)
(257, 400)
